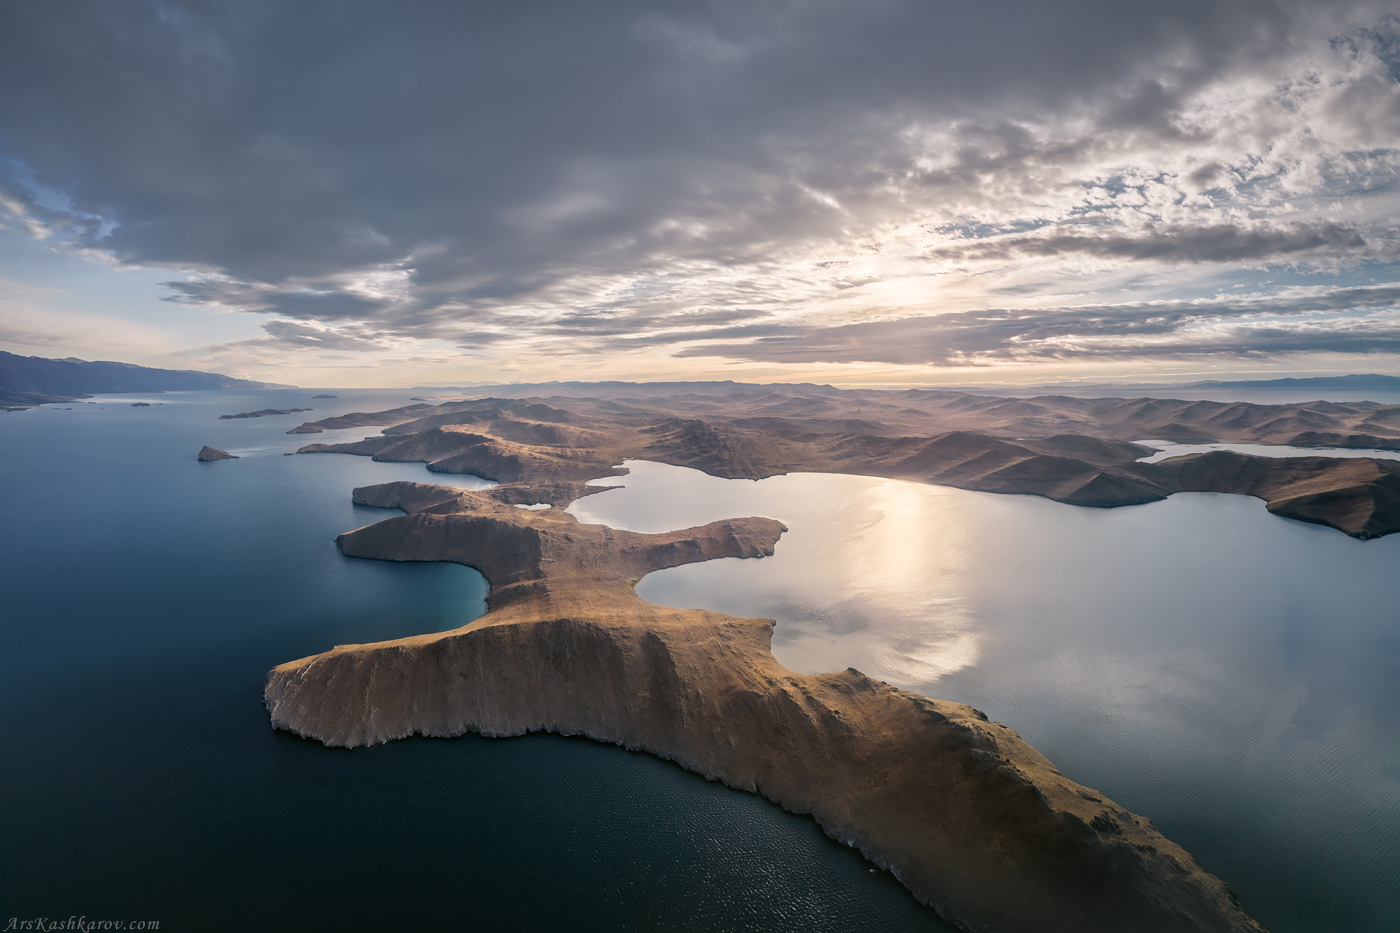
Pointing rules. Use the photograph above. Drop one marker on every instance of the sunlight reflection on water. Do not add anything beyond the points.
(1224, 671)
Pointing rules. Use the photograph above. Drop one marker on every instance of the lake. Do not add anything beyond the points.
(146, 595)
(1166, 449)
(1232, 675)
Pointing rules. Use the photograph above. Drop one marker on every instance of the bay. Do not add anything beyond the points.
(1228, 673)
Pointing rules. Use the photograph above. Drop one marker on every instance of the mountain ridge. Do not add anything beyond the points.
(34, 380)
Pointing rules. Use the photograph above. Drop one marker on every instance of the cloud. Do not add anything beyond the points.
(297, 301)
(570, 178)
(309, 334)
(1217, 243)
(34, 321)
(1340, 320)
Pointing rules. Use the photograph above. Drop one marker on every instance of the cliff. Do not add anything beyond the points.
(968, 816)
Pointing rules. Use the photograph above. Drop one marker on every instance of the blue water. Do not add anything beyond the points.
(1232, 675)
(1166, 450)
(145, 595)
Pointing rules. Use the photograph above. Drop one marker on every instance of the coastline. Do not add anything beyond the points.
(971, 819)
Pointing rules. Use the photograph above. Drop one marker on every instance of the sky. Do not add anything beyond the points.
(871, 192)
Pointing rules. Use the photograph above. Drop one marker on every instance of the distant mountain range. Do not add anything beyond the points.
(615, 389)
(32, 380)
(1354, 381)
(618, 389)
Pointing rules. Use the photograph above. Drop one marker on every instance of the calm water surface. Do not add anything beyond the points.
(1255, 396)
(1166, 449)
(1233, 675)
(145, 597)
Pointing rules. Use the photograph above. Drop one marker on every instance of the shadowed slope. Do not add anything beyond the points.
(550, 443)
(789, 409)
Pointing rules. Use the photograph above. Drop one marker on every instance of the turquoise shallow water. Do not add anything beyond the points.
(1230, 674)
(145, 595)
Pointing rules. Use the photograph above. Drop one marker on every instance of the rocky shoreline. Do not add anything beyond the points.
(969, 817)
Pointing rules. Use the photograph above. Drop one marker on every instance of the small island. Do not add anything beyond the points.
(264, 413)
(209, 454)
(325, 396)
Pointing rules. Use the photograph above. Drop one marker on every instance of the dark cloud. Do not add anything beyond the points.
(1159, 329)
(1181, 243)
(300, 333)
(325, 305)
(279, 141)
(487, 172)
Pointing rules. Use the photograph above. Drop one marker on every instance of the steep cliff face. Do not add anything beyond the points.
(971, 819)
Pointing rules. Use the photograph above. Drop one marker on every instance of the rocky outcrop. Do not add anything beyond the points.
(209, 454)
(968, 816)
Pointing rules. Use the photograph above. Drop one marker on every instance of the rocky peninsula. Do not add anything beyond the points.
(968, 816)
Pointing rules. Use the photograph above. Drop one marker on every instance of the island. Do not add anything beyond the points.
(209, 454)
(325, 396)
(263, 413)
(140, 404)
(964, 813)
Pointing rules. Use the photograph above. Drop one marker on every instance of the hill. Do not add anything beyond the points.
(33, 380)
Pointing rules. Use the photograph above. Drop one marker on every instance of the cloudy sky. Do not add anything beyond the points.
(860, 192)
